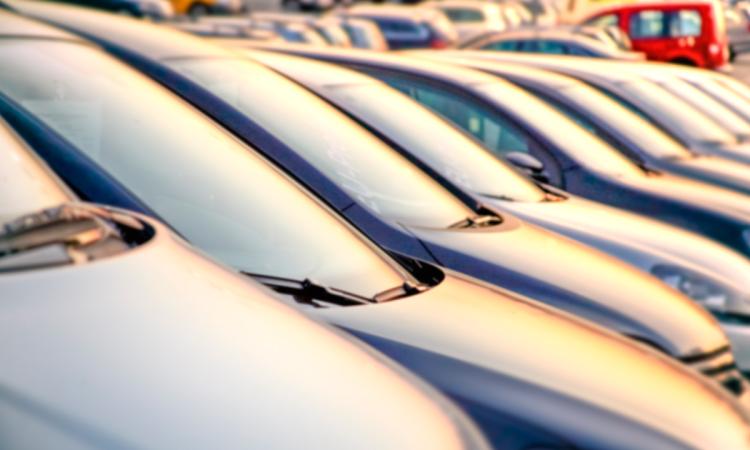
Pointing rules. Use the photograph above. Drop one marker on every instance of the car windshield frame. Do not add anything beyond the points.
(348, 154)
(194, 181)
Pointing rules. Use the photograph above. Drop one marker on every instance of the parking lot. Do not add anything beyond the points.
(446, 225)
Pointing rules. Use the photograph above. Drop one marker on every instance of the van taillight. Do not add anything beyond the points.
(438, 43)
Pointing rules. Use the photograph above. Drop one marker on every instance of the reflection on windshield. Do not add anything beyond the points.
(376, 175)
(447, 150)
(707, 105)
(698, 127)
(648, 137)
(208, 186)
(579, 144)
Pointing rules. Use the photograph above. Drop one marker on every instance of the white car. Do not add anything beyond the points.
(471, 18)
(115, 334)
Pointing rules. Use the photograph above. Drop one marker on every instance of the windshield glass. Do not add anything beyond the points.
(211, 188)
(445, 149)
(725, 95)
(649, 138)
(698, 127)
(713, 109)
(373, 173)
(579, 144)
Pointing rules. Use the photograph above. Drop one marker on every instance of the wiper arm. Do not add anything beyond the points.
(478, 221)
(310, 292)
(405, 289)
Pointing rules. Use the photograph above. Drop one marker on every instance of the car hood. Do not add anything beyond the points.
(612, 293)
(105, 354)
(515, 338)
(639, 240)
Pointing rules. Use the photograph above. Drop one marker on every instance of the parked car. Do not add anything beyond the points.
(690, 32)
(550, 40)
(200, 8)
(117, 334)
(574, 160)
(363, 33)
(471, 17)
(707, 272)
(633, 136)
(214, 191)
(728, 91)
(330, 30)
(516, 14)
(691, 127)
(230, 31)
(152, 9)
(345, 166)
(407, 26)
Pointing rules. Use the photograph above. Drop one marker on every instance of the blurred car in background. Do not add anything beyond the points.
(407, 26)
(329, 29)
(471, 17)
(242, 29)
(559, 41)
(431, 320)
(199, 8)
(516, 15)
(690, 32)
(117, 334)
(709, 273)
(152, 9)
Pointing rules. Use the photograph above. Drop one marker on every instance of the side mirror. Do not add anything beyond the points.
(529, 164)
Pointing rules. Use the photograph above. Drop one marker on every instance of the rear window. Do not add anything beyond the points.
(652, 24)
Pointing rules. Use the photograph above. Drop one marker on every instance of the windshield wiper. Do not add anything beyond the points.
(310, 292)
(478, 221)
(405, 289)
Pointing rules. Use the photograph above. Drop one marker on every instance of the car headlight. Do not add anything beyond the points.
(709, 293)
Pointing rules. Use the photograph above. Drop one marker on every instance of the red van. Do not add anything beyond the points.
(688, 32)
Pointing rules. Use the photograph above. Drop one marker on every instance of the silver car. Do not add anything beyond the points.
(116, 334)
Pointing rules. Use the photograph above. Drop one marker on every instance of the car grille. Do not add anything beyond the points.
(719, 365)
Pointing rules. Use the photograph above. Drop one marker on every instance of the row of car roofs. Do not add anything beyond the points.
(350, 202)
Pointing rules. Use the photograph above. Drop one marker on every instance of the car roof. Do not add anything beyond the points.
(414, 13)
(14, 25)
(396, 60)
(158, 41)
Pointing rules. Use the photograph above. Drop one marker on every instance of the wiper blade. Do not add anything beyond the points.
(478, 221)
(405, 289)
(310, 292)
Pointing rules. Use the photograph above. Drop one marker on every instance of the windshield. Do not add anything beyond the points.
(725, 95)
(373, 173)
(26, 184)
(579, 144)
(679, 114)
(445, 149)
(207, 185)
(706, 104)
(649, 138)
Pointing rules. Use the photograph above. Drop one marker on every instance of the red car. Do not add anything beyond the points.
(688, 32)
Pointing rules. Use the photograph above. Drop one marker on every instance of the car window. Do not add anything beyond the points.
(463, 15)
(501, 46)
(553, 47)
(211, 188)
(402, 29)
(685, 23)
(374, 174)
(647, 24)
(437, 143)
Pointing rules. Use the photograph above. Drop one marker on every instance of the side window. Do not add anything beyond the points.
(607, 20)
(648, 24)
(685, 23)
(553, 47)
(464, 15)
(402, 29)
(493, 131)
(507, 46)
